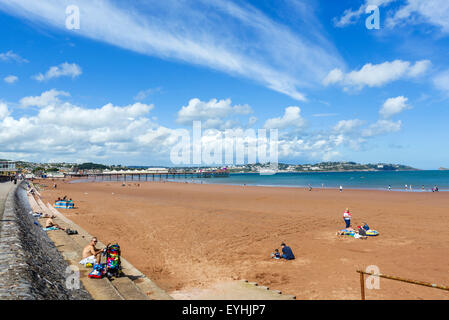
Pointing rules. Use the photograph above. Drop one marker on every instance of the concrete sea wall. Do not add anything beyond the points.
(31, 268)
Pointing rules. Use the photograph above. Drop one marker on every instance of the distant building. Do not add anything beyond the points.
(8, 168)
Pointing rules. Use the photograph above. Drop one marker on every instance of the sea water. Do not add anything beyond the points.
(379, 180)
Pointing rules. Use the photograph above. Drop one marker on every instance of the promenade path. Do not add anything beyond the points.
(5, 187)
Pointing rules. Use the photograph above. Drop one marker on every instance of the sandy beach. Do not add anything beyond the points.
(190, 236)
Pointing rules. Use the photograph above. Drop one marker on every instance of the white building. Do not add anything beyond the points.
(8, 168)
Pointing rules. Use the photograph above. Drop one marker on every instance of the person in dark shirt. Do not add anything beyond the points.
(365, 226)
(287, 253)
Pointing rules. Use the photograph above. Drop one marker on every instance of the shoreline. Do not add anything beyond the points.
(192, 181)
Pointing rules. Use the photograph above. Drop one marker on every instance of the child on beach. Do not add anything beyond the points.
(276, 255)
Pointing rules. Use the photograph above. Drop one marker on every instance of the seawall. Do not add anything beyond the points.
(31, 268)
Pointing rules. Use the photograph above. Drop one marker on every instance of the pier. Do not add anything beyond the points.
(149, 176)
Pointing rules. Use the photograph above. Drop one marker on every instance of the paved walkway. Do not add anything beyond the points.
(5, 187)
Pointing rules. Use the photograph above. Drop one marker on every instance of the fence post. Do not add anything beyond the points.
(362, 285)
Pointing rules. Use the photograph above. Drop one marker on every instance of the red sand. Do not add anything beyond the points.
(186, 236)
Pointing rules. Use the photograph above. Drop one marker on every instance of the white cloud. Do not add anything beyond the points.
(212, 113)
(11, 56)
(394, 106)
(382, 127)
(334, 76)
(45, 99)
(291, 118)
(65, 69)
(65, 131)
(434, 12)
(348, 126)
(232, 37)
(377, 75)
(4, 112)
(11, 79)
(441, 81)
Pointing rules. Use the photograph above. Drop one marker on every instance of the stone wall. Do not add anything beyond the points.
(30, 265)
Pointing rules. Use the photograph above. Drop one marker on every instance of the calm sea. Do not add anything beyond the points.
(351, 180)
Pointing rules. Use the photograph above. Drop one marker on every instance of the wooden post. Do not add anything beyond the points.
(420, 283)
(362, 285)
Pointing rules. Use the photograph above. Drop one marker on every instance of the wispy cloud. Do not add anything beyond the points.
(143, 94)
(434, 12)
(63, 70)
(11, 79)
(407, 12)
(232, 37)
(11, 56)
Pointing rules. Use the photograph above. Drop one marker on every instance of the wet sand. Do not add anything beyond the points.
(192, 236)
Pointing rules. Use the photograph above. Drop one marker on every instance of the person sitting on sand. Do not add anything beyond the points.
(276, 255)
(347, 217)
(287, 252)
(91, 254)
(360, 234)
(365, 226)
(50, 223)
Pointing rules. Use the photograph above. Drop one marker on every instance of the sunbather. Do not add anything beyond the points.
(50, 223)
(91, 254)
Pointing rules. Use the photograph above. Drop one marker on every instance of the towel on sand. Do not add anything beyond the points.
(51, 228)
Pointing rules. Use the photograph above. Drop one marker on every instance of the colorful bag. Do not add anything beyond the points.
(98, 271)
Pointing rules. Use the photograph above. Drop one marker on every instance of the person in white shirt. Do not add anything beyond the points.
(347, 217)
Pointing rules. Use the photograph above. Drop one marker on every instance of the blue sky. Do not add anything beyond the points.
(117, 89)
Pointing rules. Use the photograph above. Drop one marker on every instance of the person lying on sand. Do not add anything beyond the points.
(91, 254)
(344, 231)
(50, 223)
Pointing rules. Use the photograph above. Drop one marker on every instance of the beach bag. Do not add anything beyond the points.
(98, 271)
(70, 231)
(113, 261)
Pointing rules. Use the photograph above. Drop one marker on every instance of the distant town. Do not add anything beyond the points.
(31, 169)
